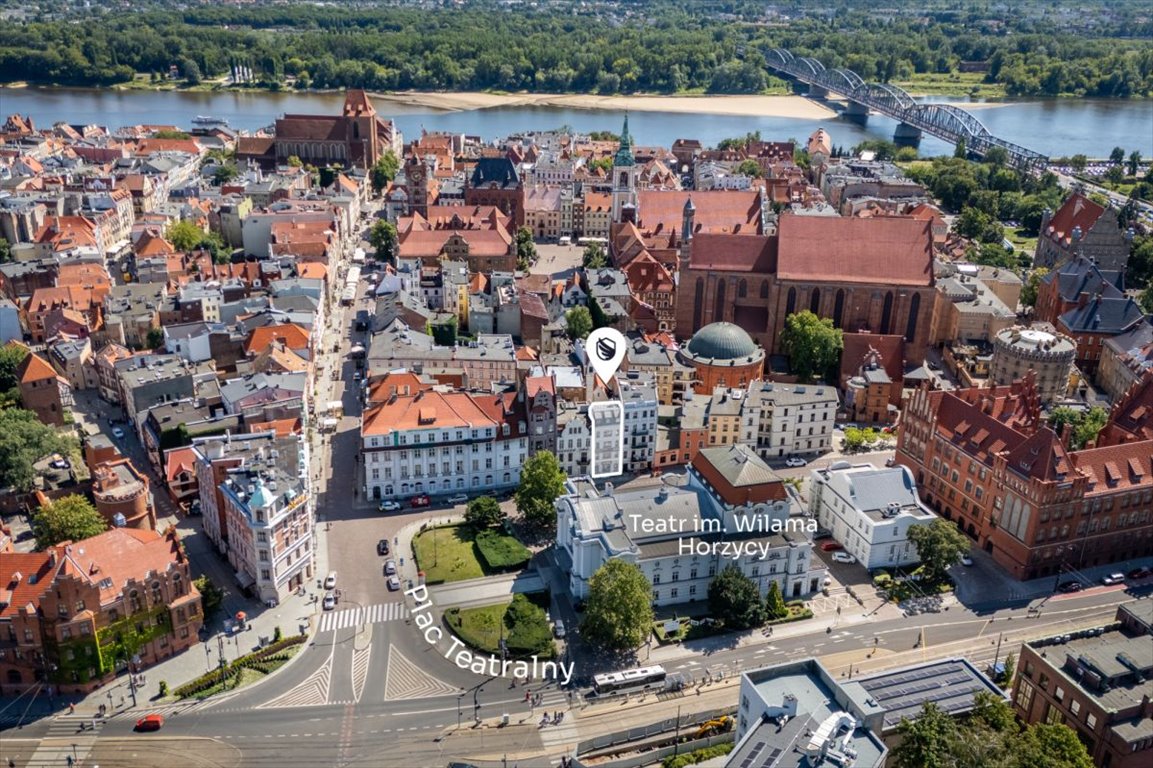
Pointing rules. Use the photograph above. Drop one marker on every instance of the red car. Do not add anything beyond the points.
(420, 501)
(831, 546)
(150, 723)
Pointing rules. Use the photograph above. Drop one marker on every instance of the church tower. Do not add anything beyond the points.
(625, 175)
(685, 246)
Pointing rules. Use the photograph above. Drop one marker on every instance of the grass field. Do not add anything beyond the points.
(958, 84)
(480, 627)
(448, 554)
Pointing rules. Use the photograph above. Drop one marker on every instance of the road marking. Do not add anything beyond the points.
(372, 614)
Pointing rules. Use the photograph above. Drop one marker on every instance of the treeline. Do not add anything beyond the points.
(388, 48)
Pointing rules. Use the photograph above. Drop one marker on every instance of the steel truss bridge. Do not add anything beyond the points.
(941, 120)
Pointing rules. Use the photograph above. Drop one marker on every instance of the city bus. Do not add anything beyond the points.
(630, 680)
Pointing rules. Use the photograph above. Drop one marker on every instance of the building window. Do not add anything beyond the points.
(1054, 716)
(1024, 698)
(1090, 720)
(1074, 706)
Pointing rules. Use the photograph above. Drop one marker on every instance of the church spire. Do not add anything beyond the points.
(624, 156)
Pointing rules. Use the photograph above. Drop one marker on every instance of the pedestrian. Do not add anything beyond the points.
(71, 708)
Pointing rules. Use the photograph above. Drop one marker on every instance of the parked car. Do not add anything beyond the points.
(558, 628)
(393, 584)
(1113, 578)
(420, 500)
(389, 567)
(966, 560)
(329, 601)
(795, 461)
(460, 498)
(831, 546)
(150, 723)
(843, 557)
(382, 547)
(118, 433)
(1069, 586)
(1139, 572)
(389, 506)
(330, 581)
(60, 464)
(822, 533)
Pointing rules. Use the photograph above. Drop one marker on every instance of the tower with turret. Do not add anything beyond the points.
(625, 177)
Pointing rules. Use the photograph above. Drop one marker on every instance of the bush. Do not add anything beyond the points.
(697, 756)
(253, 661)
(499, 552)
(277, 635)
(528, 629)
(163, 688)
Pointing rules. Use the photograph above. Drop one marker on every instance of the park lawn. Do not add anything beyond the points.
(1022, 242)
(448, 554)
(479, 628)
(958, 84)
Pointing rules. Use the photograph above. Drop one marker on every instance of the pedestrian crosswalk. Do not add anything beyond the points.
(368, 614)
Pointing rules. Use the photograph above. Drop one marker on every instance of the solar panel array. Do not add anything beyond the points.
(751, 758)
(950, 686)
(754, 759)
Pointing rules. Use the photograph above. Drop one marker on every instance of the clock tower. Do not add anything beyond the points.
(416, 174)
(625, 175)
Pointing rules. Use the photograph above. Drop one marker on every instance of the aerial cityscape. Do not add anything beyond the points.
(615, 383)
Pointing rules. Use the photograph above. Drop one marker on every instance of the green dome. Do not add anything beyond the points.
(722, 341)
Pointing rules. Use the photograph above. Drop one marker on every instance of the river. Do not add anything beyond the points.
(1054, 127)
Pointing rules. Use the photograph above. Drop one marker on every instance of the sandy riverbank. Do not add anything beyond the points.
(751, 106)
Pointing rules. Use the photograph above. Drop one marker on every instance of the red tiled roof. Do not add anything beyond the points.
(179, 460)
(1116, 467)
(857, 345)
(722, 211)
(534, 384)
(34, 368)
(734, 253)
(24, 577)
(1077, 211)
(290, 334)
(890, 250)
(118, 554)
(282, 427)
(1040, 456)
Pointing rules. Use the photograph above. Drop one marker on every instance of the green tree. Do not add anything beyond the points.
(940, 545)
(750, 168)
(1146, 300)
(171, 134)
(527, 626)
(960, 151)
(191, 71)
(1114, 174)
(384, 239)
(1134, 162)
(294, 162)
(926, 742)
(992, 255)
(735, 599)
(594, 257)
(971, 223)
(1051, 746)
(155, 339)
(1117, 156)
(69, 518)
(579, 322)
(1031, 286)
(996, 156)
(224, 174)
(11, 356)
(541, 483)
(383, 171)
(184, 235)
(774, 601)
(483, 512)
(1010, 670)
(854, 438)
(619, 611)
(812, 344)
(211, 596)
(1084, 425)
(1078, 163)
(24, 440)
(5, 251)
(525, 249)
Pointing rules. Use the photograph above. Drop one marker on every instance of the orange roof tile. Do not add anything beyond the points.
(291, 335)
(34, 368)
(179, 460)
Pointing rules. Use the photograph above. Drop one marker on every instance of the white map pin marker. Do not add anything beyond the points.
(606, 350)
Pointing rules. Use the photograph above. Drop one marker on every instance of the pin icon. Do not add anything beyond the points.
(606, 350)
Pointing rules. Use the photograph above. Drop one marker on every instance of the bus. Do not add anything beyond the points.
(630, 680)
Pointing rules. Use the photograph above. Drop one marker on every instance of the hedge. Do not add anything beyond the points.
(499, 552)
(270, 656)
(697, 755)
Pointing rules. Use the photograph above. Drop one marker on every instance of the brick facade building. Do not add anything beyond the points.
(984, 459)
(77, 613)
